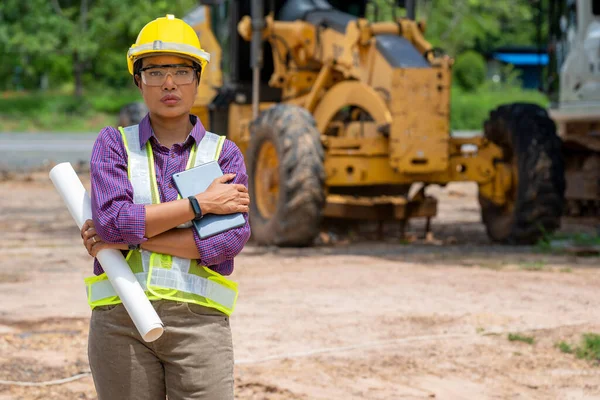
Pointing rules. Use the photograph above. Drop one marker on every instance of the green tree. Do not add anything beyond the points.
(47, 37)
(469, 70)
(459, 25)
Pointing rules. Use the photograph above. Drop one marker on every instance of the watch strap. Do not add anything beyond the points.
(195, 207)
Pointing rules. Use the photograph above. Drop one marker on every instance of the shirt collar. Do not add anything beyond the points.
(196, 134)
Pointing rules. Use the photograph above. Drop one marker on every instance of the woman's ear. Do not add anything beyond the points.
(138, 82)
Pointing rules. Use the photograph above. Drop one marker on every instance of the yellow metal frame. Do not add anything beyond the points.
(350, 93)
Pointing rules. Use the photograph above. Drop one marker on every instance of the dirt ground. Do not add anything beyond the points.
(356, 318)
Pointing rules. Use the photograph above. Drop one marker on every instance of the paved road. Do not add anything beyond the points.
(24, 151)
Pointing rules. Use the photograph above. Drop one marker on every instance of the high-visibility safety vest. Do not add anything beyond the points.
(163, 276)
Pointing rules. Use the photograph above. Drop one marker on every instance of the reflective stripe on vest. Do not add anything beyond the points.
(163, 276)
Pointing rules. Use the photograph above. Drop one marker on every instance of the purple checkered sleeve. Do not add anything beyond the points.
(116, 217)
(119, 220)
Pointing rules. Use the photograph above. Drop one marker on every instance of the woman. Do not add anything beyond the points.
(135, 208)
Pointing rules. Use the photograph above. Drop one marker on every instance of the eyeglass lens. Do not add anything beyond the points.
(156, 76)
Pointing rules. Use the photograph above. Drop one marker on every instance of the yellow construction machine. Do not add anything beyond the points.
(338, 117)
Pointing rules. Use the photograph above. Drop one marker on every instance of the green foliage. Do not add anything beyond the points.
(111, 101)
(28, 105)
(469, 110)
(521, 338)
(383, 10)
(582, 239)
(559, 242)
(457, 25)
(49, 38)
(51, 111)
(564, 347)
(588, 349)
(469, 70)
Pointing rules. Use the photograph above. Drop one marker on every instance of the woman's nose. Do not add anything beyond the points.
(169, 83)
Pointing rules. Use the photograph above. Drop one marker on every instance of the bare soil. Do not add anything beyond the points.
(356, 317)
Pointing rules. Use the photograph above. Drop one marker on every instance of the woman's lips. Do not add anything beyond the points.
(170, 99)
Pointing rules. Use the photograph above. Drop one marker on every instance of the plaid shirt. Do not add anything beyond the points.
(119, 220)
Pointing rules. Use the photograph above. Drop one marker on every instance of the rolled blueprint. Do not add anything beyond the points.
(119, 274)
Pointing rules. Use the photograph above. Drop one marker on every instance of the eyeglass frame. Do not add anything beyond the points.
(196, 69)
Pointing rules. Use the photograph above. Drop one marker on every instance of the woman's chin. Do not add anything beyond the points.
(169, 111)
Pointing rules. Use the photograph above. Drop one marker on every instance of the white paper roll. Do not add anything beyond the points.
(119, 274)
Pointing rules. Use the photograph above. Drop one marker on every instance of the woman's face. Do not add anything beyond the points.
(164, 85)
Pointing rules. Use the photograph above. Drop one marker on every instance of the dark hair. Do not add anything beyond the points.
(137, 66)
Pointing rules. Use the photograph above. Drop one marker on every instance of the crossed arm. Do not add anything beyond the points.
(161, 232)
(117, 221)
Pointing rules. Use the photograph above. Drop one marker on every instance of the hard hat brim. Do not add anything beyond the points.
(158, 47)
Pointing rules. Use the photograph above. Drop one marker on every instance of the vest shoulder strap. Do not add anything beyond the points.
(138, 167)
(209, 148)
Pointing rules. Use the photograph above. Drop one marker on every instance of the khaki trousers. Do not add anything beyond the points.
(192, 360)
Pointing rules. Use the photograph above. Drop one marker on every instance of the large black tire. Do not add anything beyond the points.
(532, 148)
(295, 212)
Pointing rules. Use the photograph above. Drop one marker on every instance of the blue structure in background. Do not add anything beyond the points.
(525, 59)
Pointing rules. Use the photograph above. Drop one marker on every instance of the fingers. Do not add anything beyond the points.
(91, 240)
(240, 204)
(86, 225)
(240, 199)
(96, 247)
(225, 178)
(90, 233)
(90, 243)
(241, 188)
(243, 201)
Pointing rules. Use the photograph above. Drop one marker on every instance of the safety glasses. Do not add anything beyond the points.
(156, 75)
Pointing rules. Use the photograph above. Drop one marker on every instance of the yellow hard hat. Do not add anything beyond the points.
(167, 35)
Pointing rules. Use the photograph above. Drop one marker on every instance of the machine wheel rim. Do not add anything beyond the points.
(267, 180)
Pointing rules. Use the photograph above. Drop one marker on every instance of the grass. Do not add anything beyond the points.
(557, 243)
(58, 111)
(469, 110)
(564, 347)
(492, 264)
(58, 123)
(588, 348)
(532, 266)
(515, 337)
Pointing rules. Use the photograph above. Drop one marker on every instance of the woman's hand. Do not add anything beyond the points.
(93, 243)
(224, 198)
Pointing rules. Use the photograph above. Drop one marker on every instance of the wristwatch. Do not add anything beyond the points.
(196, 208)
